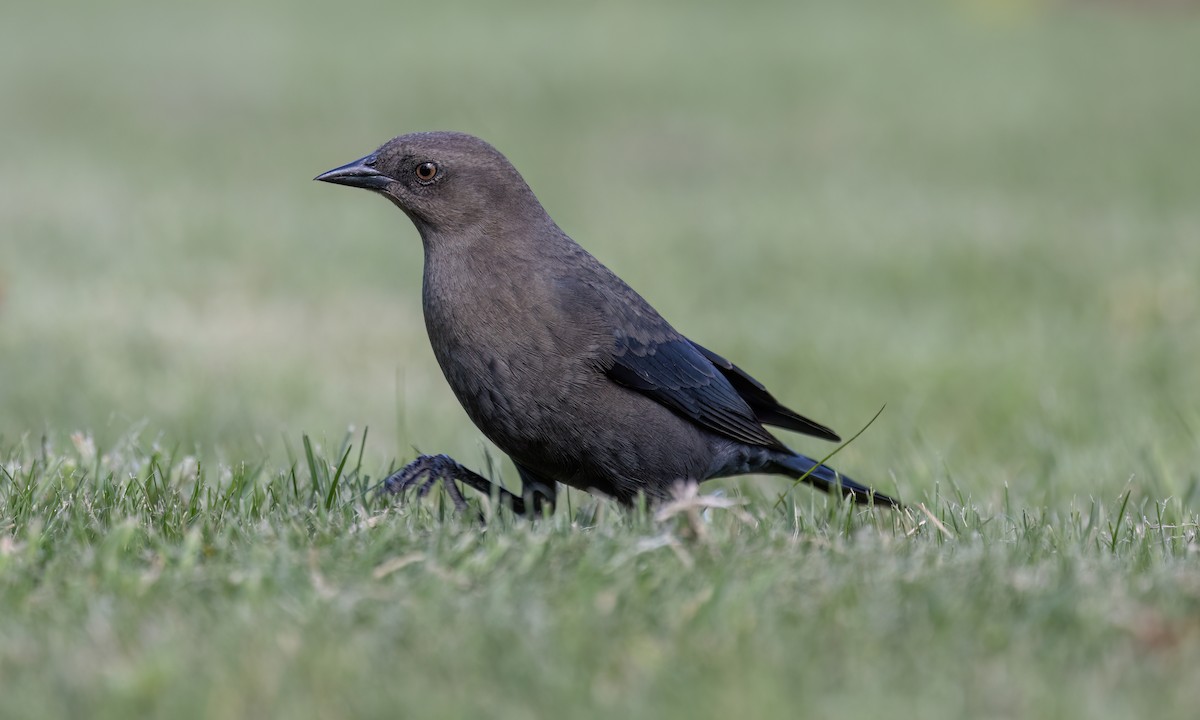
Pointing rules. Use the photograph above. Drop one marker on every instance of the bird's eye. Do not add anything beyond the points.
(426, 171)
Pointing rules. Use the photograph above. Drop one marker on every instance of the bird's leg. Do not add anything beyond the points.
(424, 472)
(538, 491)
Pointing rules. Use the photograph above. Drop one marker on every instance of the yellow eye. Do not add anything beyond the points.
(426, 171)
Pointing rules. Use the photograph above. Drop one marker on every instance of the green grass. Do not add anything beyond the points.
(141, 583)
(982, 214)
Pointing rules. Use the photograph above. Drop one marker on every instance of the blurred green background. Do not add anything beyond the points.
(983, 214)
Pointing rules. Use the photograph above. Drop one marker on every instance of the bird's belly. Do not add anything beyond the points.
(528, 412)
(579, 428)
(533, 389)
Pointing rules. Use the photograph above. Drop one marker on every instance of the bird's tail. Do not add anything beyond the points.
(826, 478)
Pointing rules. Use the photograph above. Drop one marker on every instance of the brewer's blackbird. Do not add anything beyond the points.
(559, 362)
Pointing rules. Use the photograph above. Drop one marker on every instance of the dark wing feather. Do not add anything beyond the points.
(766, 408)
(676, 374)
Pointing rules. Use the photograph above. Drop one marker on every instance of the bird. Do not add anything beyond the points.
(557, 361)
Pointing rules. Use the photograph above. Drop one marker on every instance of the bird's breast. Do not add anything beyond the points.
(512, 359)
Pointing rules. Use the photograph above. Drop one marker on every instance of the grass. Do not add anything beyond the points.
(979, 213)
(146, 584)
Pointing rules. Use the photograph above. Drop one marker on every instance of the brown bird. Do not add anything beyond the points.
(556, 360)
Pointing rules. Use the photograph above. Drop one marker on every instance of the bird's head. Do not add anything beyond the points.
(447, 183)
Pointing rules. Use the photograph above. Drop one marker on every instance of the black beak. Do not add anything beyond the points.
(359, 174)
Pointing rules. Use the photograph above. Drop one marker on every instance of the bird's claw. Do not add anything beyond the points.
(422, 474)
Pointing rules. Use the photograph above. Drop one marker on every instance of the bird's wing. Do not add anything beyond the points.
(651, 357)
(676, 374)
(767, 410)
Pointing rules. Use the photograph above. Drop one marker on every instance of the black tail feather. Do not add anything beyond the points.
(826, 478)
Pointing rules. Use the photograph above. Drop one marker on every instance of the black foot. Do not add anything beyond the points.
(424, 472)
